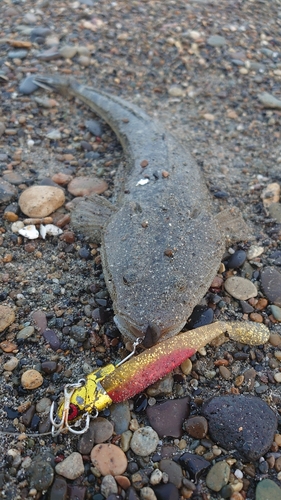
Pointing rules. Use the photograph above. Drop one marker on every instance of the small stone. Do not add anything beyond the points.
(254, 251)
(100, 430)
(108, 486)
(144, 441)
(194, 465)
(167, 417)
(72, 467)
(68, 51)
(94, 127)
(58, 489)
(49, 367)
(2, 129)
(156, 477)
(41, 472)
(240, 288)
(84, 61)
(10, 216)
(11, 364)
(277, 377)
(43, 405)
(256, 317)
(162, 386)
(186, 366)
(7, 317)
(166, 492)
(120, 417)
(271, 285)
(8, 346)
(268, 490)
(25, 333)
(275, 339)
(62, 178)
(7, 191)
(225, 372)
(40, 320)
(147, 493)
(218, 476)
(51, 337)
(84, 186)
(17, 54)
(196, 427)
(216, 41)
(276, 311)
(27, 86)
(40, 201)
(271, 194)
(109, 459)
(269, 101)
(275, 212)
(125, 440)
(237, 259)
(31, 379)
(176, 91)
(173, 470)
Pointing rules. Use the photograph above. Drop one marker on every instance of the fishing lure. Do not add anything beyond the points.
(113, 384)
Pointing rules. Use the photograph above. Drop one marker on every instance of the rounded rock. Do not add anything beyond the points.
(144, 441)
(268, 490)
(271, 285)
(7, 317)
(40, 201)
(31, 379)
(25, 333)
(237, 259)
(240, 288)
(72, 467)
(84, 186)
(196, 427)
(108, 486)
(109, 459)
(218, 476)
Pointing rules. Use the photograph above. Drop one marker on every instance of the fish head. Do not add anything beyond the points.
(58, 83)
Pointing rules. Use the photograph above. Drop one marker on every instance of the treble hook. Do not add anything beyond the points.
(58, 427)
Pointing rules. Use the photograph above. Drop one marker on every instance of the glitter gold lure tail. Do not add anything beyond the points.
(113, 384)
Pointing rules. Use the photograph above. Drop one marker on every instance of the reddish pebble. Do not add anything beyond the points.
(256, 317)
(144, 163)
(165, 174)
(123, 481)
(261, 304)
(10, 216)
(29, 247)
(62, 221)
(217, 282)
(40, 320)
(62, 178)
(109, 459)
(196, 427)
(68, 237)
(83, 186)
(8, 346)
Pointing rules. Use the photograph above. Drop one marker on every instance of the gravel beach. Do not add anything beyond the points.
(210, 72)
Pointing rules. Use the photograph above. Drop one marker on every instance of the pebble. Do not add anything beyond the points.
(147, 493)
(40, 320)
(271, 285)
(125, 440)
(216, 41)
(254, 251)
(186, 366)
(194, 465)
(173, 470)
(162, 386)
(14, 178)
(218, 476)
(43, 405)
(277, 377)
(276, 311)
(51, 337)
(40, 201)
(109, 459)
(269, 101)
(8, 346)
(108, 486)
(11, 364)
(275, 339)
(27, 86)
(41, 472)
(144, 441)
(59, 489)
(240, 288)
(270, 194)
(120, 416)
(84, 186)
(68, 51)
(62, 178)
(2, 128)
(196, 427)
(244, 423)
(237, 259)
(7, 317)
(72, 467)
(268, 490)
(166, 492)
(17, 54)
(7, 191)
(100, 430)
(31, 379)
(275, 212)
(25, 333)
(156, 477)
(176, 91)
(94, 127)
(167, 417)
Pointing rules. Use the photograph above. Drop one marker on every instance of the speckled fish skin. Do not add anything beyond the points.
(168, 215)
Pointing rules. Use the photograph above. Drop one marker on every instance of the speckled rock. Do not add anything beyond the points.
(271, 285)
(7, 317)
(244, 423)
(100, 430)
(25, 333)
(218, 476)
(7, 191)
(144, 441)
(196, 426)
(108, 486)
(240, 288)
(41, 472)
(40, 201)
(109, 459)
(72, 467)
(31, 379)
(167, 418)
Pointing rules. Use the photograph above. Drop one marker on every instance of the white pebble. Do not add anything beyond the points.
(16, 226)
(156, 476)
(238, 473)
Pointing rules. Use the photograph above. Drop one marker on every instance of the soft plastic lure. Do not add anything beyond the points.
(113, 384)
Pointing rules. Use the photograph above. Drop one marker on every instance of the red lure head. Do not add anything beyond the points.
(73, 412)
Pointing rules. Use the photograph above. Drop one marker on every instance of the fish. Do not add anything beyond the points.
(161, 245)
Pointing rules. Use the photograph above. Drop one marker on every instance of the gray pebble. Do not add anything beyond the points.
(17, 54)
(25, 333)
(120, 417)
(269, 101)
(144, 441)
(41, 472)
(94, 127)
(108, 486)
(27, 86)
(218, 476)
(216, 41)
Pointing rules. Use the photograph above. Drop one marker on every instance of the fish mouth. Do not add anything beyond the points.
(131, 331)
(59, 84)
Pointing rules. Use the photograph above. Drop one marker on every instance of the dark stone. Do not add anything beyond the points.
(246, 308)
(51, 337)
(49, 367)
(271, 285)
(76, 492)
(41, 472)
(201, 315)
(34, 423)
(166, 492)
(236, 260)
(131, 494)
(173, 470)
(94, 127)
(59, 489)
(196, 426)
(194, 465)
(244, 423)
(40, 31)
(85, 253)
(11, 413)
(167, 418)
(28, 416)
(7, 191)
(78, 333)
